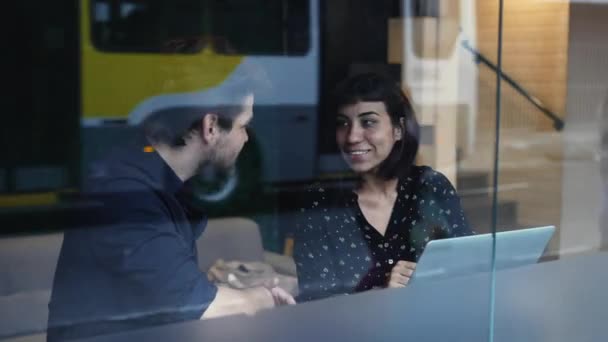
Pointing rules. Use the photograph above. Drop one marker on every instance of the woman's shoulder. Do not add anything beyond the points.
(330, 192)
(316, 192)
(316, 207)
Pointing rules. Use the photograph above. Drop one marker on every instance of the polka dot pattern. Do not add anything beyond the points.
(338, 252)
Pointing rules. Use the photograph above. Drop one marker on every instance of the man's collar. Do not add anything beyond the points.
(143, 157)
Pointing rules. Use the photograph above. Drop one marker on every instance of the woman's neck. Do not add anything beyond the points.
(372, 184)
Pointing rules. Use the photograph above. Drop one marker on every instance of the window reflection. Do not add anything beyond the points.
(91, 78)
(235, 27)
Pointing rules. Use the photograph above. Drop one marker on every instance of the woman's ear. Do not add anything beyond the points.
(398, 131)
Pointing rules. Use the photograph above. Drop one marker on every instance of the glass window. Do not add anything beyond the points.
(452, 151)
(148, 26)
(276, 27)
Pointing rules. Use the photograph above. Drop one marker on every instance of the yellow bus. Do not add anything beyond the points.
(105, 65)
(142, 57)
(89, 71)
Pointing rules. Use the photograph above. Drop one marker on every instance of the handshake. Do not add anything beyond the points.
(248, 287)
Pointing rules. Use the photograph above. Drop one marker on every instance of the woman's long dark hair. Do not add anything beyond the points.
(372, 87)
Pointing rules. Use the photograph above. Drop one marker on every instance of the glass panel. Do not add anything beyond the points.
(553, 102)
(166, 161)
(148, 26)
(283, 26)
(236, 27)
(457, 102)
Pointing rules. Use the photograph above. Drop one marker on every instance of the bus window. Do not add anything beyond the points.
(237, 27)
(175, 26)
(261, 27)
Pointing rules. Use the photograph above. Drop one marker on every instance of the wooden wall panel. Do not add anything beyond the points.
(535, 52)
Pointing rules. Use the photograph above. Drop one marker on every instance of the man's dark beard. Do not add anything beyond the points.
(214, 173)
(211, 179)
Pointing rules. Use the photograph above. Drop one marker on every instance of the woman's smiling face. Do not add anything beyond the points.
(365, 135)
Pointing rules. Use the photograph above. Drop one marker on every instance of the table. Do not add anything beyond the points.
(561, 300)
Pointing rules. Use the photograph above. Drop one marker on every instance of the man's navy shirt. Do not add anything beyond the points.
(134, 263)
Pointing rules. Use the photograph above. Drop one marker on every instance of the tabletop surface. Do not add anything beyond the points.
(561, 300)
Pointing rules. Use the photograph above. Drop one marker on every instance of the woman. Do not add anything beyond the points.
(371, 235)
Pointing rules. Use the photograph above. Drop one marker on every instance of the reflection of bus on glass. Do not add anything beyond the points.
(90, 70)
(142, 57)
(128, 74)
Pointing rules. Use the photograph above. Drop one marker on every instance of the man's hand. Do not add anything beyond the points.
(401, 274)
(248, 301)
(281, 297)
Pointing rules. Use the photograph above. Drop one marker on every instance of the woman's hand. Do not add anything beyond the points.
(401, 274)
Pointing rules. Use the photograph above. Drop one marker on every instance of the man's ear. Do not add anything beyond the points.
(209, 129)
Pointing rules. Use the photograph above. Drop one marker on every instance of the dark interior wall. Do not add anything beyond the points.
(41, 121)
(354, 32)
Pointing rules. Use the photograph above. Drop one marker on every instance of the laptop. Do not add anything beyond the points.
(473, 254)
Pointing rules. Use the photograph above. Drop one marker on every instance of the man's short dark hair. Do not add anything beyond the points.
(169, 126)
(372, 87)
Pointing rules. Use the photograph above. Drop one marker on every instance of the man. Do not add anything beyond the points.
(135, 264)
